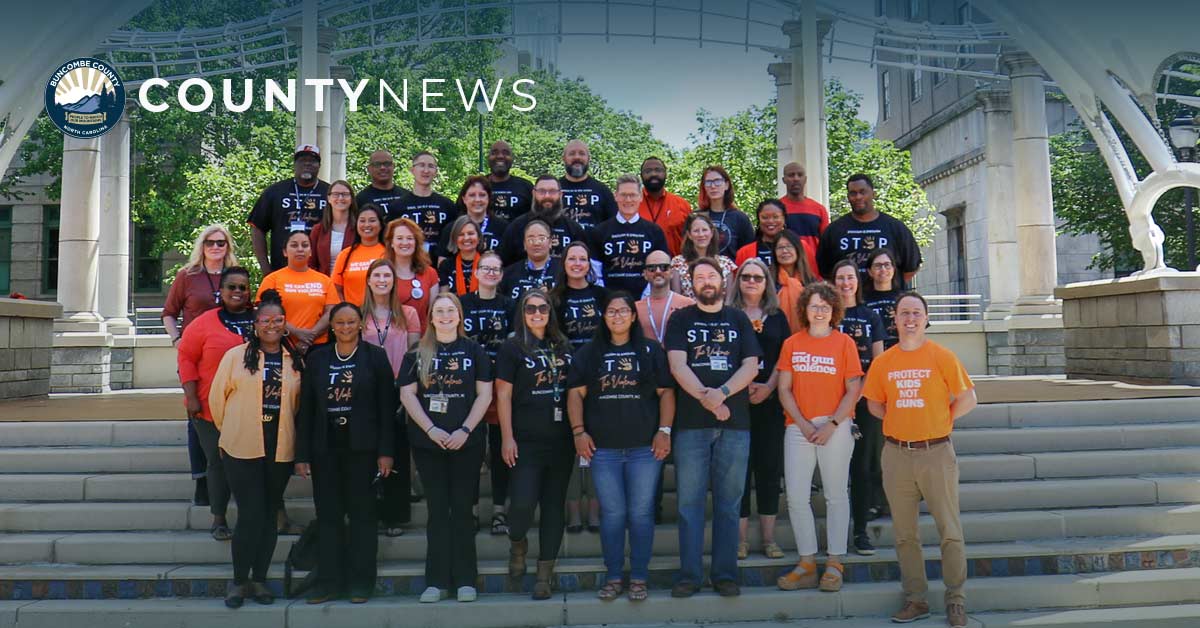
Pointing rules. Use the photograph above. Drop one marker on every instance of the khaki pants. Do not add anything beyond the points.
(908, 476)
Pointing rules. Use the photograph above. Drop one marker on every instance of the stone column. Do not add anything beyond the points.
(809, 145)
(1002, 253)
(306, 33)
(114, 226)
(785, 110)
(337, 123)
(326, 36)
(1033, 199)
(312, 126)
(79, 235)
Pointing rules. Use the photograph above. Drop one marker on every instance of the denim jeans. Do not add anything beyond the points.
(704, 458)
(625, 481)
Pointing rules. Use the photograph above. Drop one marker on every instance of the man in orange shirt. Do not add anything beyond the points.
(668, 211)
(805, 217)
(918, 389)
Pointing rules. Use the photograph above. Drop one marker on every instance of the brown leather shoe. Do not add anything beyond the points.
(516, 558)
(956, 616)
(910, 612)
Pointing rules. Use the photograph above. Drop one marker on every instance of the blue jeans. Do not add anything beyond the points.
(704, 458)
(626, 481)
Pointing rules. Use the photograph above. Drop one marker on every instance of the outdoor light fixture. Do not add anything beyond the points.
(1185, 132)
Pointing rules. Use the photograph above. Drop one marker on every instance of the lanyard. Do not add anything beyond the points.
(553, 364)
(382, 335)
(654, 327)
(216, 292)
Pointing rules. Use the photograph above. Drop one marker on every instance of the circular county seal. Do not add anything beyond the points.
(85, 98)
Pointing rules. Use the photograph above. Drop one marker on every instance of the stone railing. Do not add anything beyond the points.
(26, 335)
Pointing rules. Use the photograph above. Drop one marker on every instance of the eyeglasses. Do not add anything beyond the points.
(820, 309)
(216, 243)
(537, 239)
(278, 321)
(882, 266)
(754, 278)
(383, 164)
(490, 270)
(657, 268)
(237, 287)
(339, 195)
(618, 312)
(629, 195)
(531, 308)
(712, 183)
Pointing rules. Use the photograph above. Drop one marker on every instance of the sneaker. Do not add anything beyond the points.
(910, 612)
(684, 589)
(467, 594)
(433, 594)
(728, 588)
(956, 616)
(862, 545)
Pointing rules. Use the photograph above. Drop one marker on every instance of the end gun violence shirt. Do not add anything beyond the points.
(588, 202)
(620, 410)
(820, 368)
(715, 345)
(539, 395)
(457, 367)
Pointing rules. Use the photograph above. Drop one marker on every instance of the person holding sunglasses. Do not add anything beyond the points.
(531, 396)
(195, 290)
(253, 404)
(336, 231)
(621, 403)
(205, 342)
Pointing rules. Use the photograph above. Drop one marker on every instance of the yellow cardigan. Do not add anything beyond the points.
(235, 401)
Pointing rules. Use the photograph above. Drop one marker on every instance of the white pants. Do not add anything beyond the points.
(800, 457)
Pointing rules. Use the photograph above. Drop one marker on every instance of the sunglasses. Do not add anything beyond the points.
(543, 308)
(754, 278)
(657, 268)
(216, 243)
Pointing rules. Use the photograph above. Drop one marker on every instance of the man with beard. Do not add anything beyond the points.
(713, 353)
(865, 228)
(547, 207)
(511, 196)
(383, 190)
(584, 199)
(430, 210)
(294, 204)
(667, 210)
(622, 242)
(805, 217)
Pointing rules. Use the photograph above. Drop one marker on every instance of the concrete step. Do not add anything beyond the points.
(1074, 413)
(1007, 440)
(92, 433)
(131, 459)
(1166, 616)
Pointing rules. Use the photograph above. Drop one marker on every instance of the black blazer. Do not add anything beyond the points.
(373, 415)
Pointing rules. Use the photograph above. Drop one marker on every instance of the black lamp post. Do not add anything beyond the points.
(1185, 131)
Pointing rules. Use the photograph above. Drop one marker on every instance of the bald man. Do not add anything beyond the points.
(805, 217)
(584, 199)
(383, 190)
(511, 195)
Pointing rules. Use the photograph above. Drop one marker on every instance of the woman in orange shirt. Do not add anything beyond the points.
(791, 275)
(820, 379)
(307, 295)
(350, 269)
(416, 278)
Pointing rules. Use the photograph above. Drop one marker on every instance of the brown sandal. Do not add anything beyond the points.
(637, 591)
(610, 591)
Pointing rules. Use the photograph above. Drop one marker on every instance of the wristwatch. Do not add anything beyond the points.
(665, 429)
(725, 390)
(465, 429)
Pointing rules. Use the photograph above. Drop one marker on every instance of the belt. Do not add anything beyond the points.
(917, 444)
(339, 421)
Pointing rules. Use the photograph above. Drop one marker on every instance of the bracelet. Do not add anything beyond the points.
(464, 428)
(430, 428)
(581, 432)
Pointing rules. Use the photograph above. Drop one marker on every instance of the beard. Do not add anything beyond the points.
(709, 296)
(499, 167)
(577, 169)
(861, 211)
(654, 184)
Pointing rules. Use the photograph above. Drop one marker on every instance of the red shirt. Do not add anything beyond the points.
(807, 218)
(199, 353)
(321, 260)
(669, 212)
(191, 295)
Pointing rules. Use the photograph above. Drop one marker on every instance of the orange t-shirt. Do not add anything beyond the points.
(351, 274)
(916, 386)
(819, 368)
(304, 295)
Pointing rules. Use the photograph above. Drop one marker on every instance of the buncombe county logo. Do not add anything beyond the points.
(85, 98)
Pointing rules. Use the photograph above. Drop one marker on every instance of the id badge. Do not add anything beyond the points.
(439, 404)
(558, 415)
(718, 363)
(298, 225)
(584, 462)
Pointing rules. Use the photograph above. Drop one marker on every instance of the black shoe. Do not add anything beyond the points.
(872, 513)
(200, 497)
(261, 594)
(575, 528)
(322, 595)
(236, 596)
(862, 545)
(728, 588)
(684, 589)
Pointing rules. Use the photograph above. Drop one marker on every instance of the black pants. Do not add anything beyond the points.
(498, 472)
(395, 508)
(257, 486)
(539, 480)
(866, 472)
(767, 425)
(218, 486)
(449, 478)
(342, 489)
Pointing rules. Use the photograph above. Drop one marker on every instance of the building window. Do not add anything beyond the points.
(938, 77)
(5, 250)
(956, 249)
(916, 81)
(50, 249)
(885, 88)
(914, 10)
(964, 17)
(147, 267)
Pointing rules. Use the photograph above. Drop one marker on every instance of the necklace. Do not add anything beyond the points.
(339, 354)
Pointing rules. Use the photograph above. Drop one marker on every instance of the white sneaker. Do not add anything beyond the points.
(467, 594)
(431, 595)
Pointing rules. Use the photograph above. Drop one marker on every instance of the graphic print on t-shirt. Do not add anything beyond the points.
(272, 389)
(588, 202)
(580, 314)
(511, 198)
(341, 382)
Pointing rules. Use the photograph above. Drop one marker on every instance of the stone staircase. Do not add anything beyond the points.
(1075, 513)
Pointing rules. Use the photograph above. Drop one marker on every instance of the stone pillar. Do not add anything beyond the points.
(1034, 202)
(114, 226)
(312, 126)
(79, 235)
(306, 33)
(785, 110)
(337, 123)
(809, 145)
(326, 36)
(1003, 276)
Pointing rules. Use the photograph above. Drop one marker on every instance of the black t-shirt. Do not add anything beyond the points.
(241, 323)
(847, 237)
(521, 276)
(491, 234)
(765, 251)
(562, 232)
(488, 322)
(866, 328)
(341, 380)
(272, 394)
(620, 410)
(448, 273)
(884, 304)
(431, 213)
(511, 198)
(715, 344)
(774, 331)
(285, 207)
(385, 199)
(579, 314)
(457, 367)
(588, 202)
(539, 381)
(733, 231)
(622, 249)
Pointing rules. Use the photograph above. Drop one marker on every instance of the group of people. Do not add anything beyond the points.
(575, 339)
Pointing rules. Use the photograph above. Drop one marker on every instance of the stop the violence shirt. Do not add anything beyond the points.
(511, 198)
(715, 344)
(620, 410)
(563, 231)
(539, 381)
(350, 270)
(819, 368)
(579, 313)
(491, 234)
(457, 367)
(588, 202)
(304, 294)
(865, 328)
(917, 386)
(488, 321)
(848, 237)
(385, 199)
(884, 304)
(431, 213)
(622, 248)
(285, 207)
